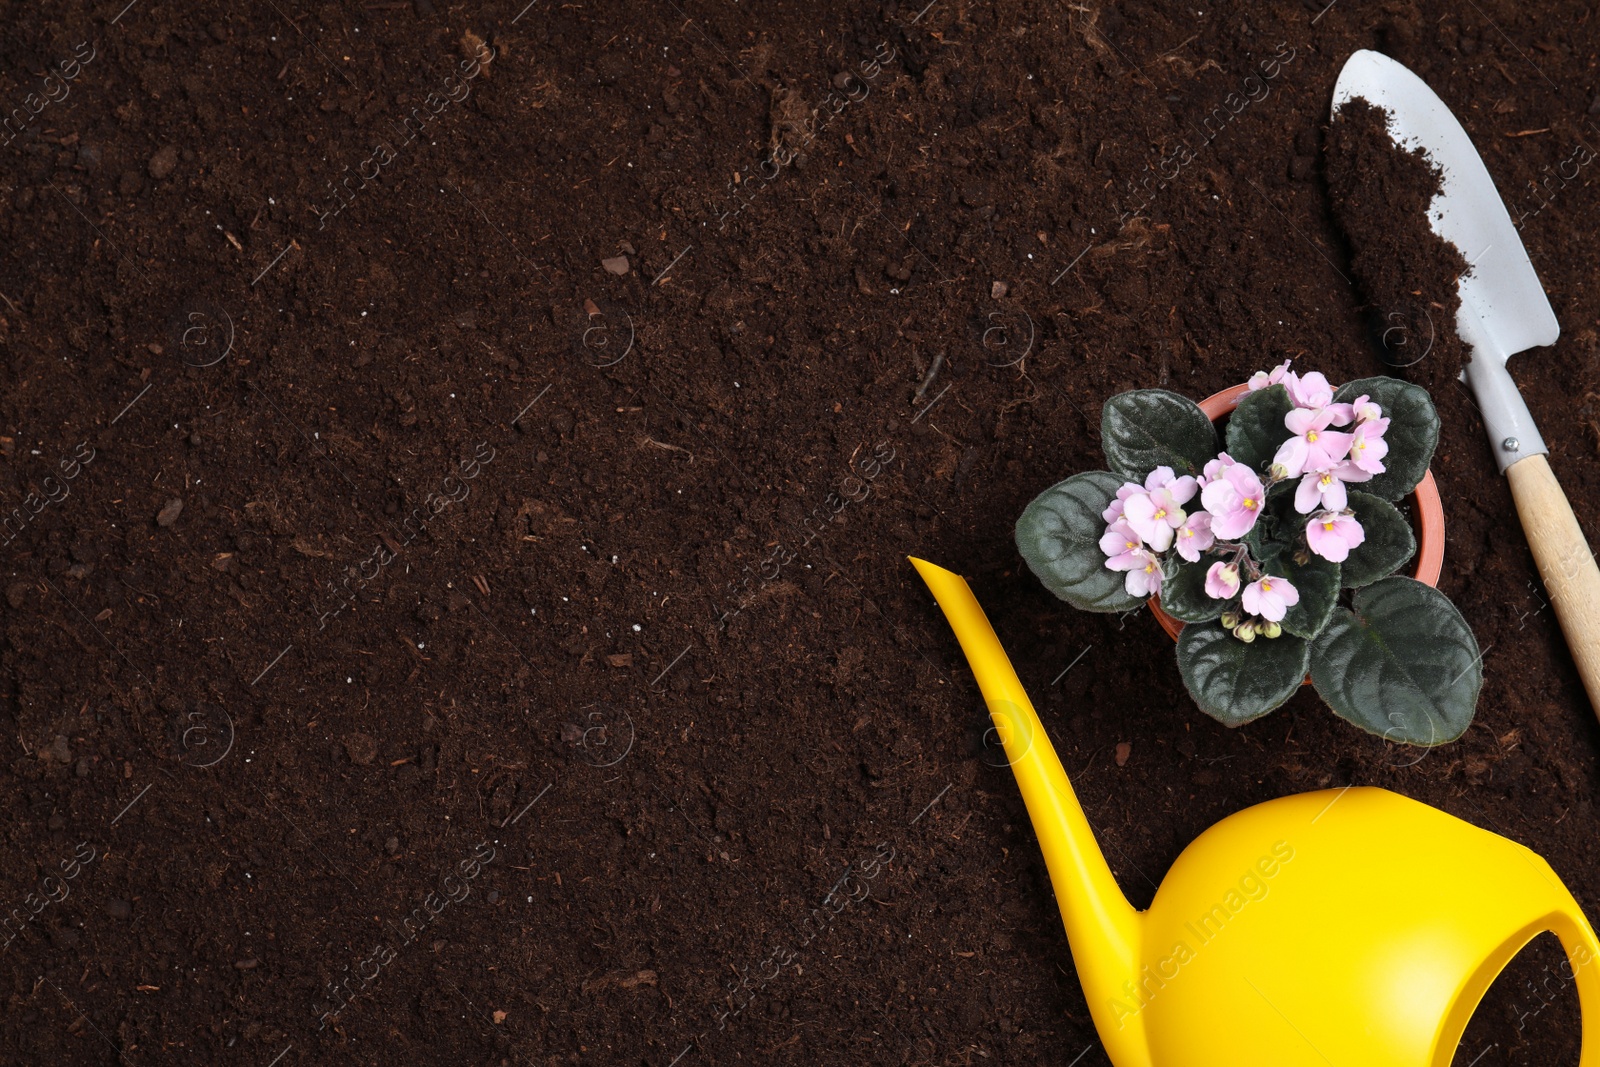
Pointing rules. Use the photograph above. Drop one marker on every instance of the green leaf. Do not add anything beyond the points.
(1403, 665)
(1279, 522)
(1316, 580)
(1059, 535)
(1413, 432)
(1149, 428)
(1256, 429)
(1183, 593)
(1234, 682)
(1389, 544)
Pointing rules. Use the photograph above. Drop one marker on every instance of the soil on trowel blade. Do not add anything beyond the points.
(1380, 193)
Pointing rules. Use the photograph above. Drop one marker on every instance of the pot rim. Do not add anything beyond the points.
(1428, 508)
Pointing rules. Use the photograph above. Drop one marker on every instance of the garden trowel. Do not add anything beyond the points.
(1504, 310)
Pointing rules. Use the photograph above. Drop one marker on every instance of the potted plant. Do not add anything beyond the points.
(1276, 545)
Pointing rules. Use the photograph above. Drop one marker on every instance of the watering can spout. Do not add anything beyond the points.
(1102, 927)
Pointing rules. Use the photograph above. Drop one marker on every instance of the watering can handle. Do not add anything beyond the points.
(1583, 956)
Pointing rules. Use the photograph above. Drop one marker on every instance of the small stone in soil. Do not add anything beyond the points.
(169, 513)
(616, 264)
(1124, 750)
(163, 162)
(362, 748)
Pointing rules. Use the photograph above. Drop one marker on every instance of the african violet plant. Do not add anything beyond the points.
(1279, 553)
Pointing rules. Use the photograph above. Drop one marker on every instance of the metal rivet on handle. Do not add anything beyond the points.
(1511, 444)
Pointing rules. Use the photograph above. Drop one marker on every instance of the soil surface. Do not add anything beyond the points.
(459, 465)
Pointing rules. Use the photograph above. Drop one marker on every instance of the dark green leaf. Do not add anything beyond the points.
(1316, 580)
(1234, 682)
(1149, 428)
(1389, 544)
(1256, 429)
(1183, 593)
(1059, 535)
(1412, 435)
(1279, 521)
(1403, 665)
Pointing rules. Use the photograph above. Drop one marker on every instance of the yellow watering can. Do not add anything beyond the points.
(1341, 928)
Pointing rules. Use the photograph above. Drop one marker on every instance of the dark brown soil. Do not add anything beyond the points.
(1380, 193)
(587, 591)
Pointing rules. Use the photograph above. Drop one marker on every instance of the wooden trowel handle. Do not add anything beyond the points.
(1565, 563)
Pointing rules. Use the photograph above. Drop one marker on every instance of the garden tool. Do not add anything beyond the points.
(1504, 310)
(1341, 928)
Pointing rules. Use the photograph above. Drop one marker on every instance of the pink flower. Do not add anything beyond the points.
(1322, 489)
(1270, 598)
(1234, 499)
(1182, 490)
(1213, 468)
(1309, 390)
(1314, 447)
(1195, 536)
(1156, 511)
(1119, 540)
(1114, 511)
(1222, 581)
(1367, 448)
(1261, 379)
(1363, 409)
(1333, 535)
(1154, 516)
(1144, 571)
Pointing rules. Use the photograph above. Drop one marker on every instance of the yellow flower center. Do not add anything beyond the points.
(1132, 545)
(1161, 514)
(1186, 532)
(1266, 586)
(1327, 525)
(1312, 436)
(1250, 502)
(1148, 567)
(1327, 479)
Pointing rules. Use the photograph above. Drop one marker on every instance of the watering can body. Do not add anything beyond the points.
(1341, 927)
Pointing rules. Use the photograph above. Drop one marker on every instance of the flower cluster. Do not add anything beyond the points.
(1332, 445)
(1326, 459)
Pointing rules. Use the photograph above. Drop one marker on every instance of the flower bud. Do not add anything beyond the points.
(1271, 629)
(1230, 619)
(1246, 631)
(1278, 472)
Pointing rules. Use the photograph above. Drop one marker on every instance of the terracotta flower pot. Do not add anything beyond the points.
(1426, 508)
